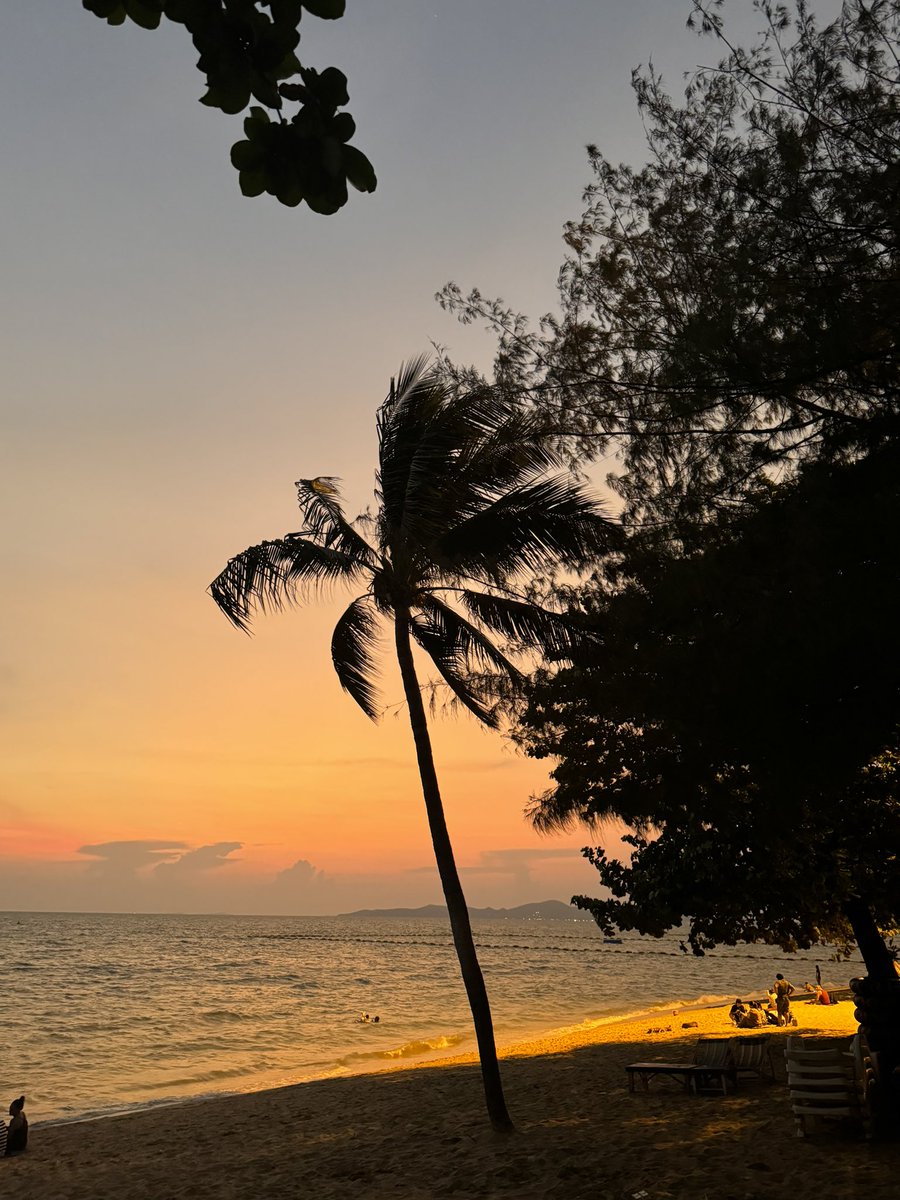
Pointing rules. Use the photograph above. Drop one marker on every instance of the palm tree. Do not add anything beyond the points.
(465, 511)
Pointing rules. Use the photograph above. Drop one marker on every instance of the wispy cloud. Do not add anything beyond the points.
(126, 858)
(204, 858)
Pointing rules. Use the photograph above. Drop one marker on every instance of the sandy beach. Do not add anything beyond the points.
(422, 1132)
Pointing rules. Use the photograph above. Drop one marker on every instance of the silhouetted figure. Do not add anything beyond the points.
(783, 991)
(17, 1133)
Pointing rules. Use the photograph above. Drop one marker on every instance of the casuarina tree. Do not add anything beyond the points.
(467, 509)
(730, 311)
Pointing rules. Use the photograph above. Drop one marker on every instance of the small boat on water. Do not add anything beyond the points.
(612, 941)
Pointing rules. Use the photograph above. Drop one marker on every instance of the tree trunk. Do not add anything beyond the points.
(453, 893)
(878, 1011)
(879, 962)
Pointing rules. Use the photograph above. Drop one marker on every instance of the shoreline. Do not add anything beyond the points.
(390, 1061)
(419, 1132)
(396, 1060)
(588, 1032)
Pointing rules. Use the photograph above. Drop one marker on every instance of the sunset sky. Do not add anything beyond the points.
(175, 356)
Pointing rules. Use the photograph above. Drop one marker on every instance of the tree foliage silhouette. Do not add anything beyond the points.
(247, 52)
(757, 677)
(731, 309)
(729, 329)
(466, 511)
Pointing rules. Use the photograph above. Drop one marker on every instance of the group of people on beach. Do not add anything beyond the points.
(775, 1010)
(14, 1136)
(752, 1014)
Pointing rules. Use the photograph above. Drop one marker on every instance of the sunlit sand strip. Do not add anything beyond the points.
(661, 1026)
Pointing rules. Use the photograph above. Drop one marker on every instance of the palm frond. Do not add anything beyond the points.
(353, 646)
(446, 658)
(480, 448)
(472, 649)
(557, 635)
(325, 523)
(516, 447)
(273, 575)
(533, 527)
(439, 450)
(408, 408)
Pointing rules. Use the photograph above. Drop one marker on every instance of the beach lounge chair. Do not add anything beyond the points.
(827, 1082)
(711, 1068)
(753, 1056)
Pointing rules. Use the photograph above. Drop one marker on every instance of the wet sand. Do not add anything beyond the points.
(417, 1133)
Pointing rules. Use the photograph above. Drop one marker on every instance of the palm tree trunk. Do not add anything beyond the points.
(453, 893)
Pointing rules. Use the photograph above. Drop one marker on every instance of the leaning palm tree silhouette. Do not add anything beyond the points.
(465, 512)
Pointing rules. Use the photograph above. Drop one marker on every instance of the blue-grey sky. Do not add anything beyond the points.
(175, 355)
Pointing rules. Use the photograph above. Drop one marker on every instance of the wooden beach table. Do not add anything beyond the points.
(646, 1071)
(712, 1068)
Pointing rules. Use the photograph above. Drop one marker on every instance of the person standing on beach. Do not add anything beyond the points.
(783, 991)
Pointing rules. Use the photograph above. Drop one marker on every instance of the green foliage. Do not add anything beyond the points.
(305, 158)
(247, 52)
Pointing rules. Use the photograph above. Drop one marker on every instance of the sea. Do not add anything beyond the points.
(102, 1013)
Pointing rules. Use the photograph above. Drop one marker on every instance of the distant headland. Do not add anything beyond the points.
(544, 910)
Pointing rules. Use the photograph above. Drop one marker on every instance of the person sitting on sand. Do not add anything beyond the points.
(737, 1010)
(752, 1019)
(771, 1012)
(822, 996)
(17, 1134)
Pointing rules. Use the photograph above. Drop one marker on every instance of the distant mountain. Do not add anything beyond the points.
(544, 910)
